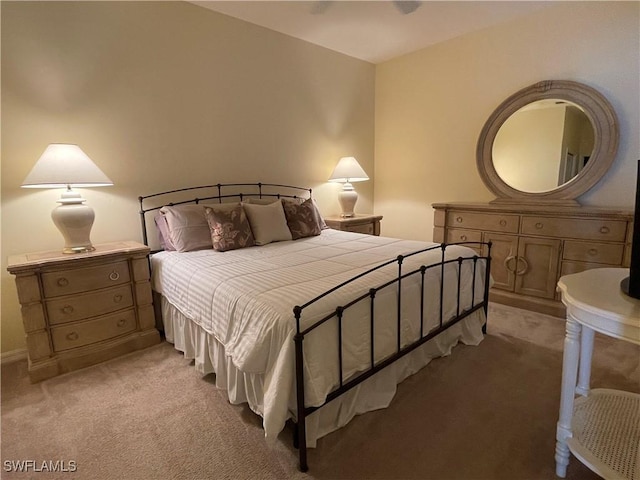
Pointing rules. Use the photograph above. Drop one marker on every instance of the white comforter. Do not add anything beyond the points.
(244, 298)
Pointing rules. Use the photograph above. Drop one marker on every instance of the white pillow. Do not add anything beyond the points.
(268, 222)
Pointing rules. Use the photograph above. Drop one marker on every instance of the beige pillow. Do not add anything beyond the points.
(229, 227)
(188, 226)
(268, 222)
(301, 218)
(260, 201)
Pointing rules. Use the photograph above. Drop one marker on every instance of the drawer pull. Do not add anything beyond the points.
(506, 263)
(539, 225)
(114, 276)
(463, 238)
(67, 309)
(503, 223)
(72, 336)
(117, 298)
(62, 282)
(524, 268)
(459, 219)
(122, 322)
(593, 252)
(604, 230)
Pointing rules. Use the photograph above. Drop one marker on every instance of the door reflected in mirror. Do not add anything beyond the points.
(543, 145)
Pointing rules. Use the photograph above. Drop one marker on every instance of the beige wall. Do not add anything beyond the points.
(431, 105)
(163, 95)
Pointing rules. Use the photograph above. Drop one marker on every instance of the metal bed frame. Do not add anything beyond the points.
(215, 192)
(266, 190)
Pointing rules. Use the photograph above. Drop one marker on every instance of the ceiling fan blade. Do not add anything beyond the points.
(407, 6)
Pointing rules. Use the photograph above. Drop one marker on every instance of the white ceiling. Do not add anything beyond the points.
(374, 31)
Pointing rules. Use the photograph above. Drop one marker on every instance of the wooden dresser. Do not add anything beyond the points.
(533, 246)
(81, 309)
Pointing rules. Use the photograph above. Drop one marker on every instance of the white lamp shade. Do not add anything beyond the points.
(348, 170)
(65, 165)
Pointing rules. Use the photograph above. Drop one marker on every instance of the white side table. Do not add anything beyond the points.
(601, 427)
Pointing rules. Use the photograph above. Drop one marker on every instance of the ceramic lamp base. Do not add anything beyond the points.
(347, 199)
(74, 219)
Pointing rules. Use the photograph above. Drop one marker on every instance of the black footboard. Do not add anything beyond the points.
(480, 266)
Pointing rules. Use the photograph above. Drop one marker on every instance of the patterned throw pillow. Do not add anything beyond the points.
(229, 228)
(301, 218)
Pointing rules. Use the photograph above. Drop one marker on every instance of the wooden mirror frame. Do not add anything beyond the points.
(606, 134)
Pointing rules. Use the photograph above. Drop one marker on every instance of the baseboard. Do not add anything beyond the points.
(13, 356)
(545, 306)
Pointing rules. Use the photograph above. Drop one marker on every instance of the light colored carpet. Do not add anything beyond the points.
(485, 412)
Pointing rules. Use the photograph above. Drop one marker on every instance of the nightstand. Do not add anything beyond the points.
(369, 224)
(82, 309)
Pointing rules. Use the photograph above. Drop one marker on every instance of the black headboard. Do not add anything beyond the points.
(220, 192)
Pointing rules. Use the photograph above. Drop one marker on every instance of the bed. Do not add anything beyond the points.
(315, 329)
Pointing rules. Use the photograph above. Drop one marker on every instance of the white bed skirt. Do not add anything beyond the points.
(373, 394)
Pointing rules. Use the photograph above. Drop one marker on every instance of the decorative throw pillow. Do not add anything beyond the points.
(267, 200)
(188, 226)
(229, 228)
(301, 218)
(268, 222)
(321, 222)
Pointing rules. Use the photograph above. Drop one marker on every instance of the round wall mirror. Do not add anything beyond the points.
(550, 142)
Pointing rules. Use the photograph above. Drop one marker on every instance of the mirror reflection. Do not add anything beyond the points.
(543, 145)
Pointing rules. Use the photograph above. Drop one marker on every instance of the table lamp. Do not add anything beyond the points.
(348, 170)
(65, 166)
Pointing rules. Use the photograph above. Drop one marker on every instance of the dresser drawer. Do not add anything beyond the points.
(75, 335)
(365, 228)
(361, 223)
(483, 221)
(569, 268)
(65, 282)
(580, 228)
(593, 252)
(69, 309)
(455, 235)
